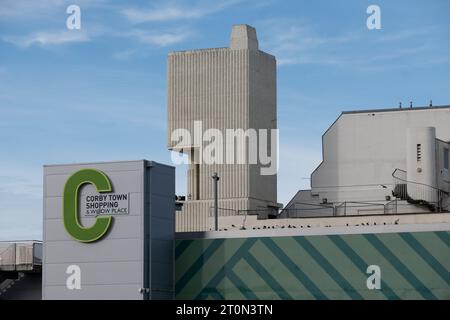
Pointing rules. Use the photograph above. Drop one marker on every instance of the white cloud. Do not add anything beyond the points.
(21, 201)
(407, 33)
(44, 38)
(294, 43)
(28, 8)
(20, 180)
(177, 11)
(43, 9)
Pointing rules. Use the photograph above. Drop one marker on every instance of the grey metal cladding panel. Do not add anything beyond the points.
(162, 251)
(104, 166)
(162, 229)
(162, 276)
(161, 168)
(122, 227)
(162, 207)
(95, 292)
(54, 206)
(122, 181)
(126, 272)
(103, 250)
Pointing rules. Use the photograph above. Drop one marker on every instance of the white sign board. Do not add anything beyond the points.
(96, 204)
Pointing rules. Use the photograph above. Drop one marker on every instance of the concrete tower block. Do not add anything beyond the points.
(243, 37)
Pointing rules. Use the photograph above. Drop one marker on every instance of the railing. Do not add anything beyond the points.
(346, 208)
(308, 210)
(391, 207)
(416, 192)
(223, 212)
(413, 192)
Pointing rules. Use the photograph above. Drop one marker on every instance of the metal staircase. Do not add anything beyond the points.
(417, 193)
(6, 283)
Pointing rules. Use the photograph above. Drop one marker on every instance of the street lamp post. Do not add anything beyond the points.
(216, 202)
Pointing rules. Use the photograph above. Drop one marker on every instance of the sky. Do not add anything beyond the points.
(99, 93)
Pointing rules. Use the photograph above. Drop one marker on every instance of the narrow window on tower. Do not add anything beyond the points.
(446, 156)
(419, 152)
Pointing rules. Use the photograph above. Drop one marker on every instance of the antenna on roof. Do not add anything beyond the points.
(400, 105)
(410, 104)
(431, 103)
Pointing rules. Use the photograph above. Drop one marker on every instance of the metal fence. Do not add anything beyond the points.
(309, 210)
(224, 212)
(354, 208)
(302, 209)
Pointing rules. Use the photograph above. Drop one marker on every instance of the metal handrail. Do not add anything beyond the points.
(316, 207)
(359, 204)
(230, 213)
(233, 212)
(414, 182)
(391, 206)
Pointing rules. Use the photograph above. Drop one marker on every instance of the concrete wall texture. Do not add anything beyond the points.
(225, 88)
(137, 250)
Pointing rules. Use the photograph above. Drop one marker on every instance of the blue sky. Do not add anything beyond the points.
(99, 93)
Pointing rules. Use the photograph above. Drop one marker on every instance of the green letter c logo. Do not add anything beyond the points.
(70, 205)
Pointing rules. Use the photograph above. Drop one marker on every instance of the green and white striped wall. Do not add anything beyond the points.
(414, 265)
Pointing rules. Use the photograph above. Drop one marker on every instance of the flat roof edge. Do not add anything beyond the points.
(318, 231)
(194, 51)
(149, 162)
